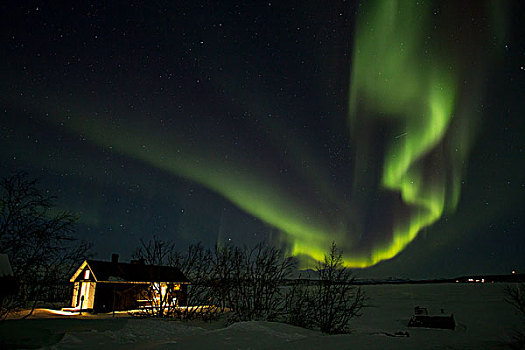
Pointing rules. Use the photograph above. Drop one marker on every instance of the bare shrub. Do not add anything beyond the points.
(155, 251)
(515, 297)
(255, 291)
(329, 303)
(298, 304)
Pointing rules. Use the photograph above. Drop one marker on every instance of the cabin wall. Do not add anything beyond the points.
(104, 298)
(117, 296)
(91, 295)
(129, 296)
(76, 290)
(88, 290)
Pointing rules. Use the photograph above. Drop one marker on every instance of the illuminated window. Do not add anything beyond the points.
(86, 274)
(176, 287)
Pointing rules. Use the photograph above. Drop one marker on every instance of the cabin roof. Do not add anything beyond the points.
(106, 271)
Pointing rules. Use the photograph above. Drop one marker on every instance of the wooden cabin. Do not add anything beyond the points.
(104, 286)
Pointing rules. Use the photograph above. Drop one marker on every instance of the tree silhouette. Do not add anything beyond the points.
(38, 240)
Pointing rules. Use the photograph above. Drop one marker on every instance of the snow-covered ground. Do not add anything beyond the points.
(483, 320)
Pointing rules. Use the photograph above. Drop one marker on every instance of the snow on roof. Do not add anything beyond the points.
(5, 266)
(115, 279)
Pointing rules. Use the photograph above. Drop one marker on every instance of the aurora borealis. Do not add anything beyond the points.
(408, 74)
(373, 124)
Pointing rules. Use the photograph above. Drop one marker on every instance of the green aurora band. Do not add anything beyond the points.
(399, 77)
(406, 74)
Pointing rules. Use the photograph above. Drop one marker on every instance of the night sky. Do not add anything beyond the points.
(394, 128)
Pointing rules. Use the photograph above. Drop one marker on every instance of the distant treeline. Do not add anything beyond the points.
(510, 278)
